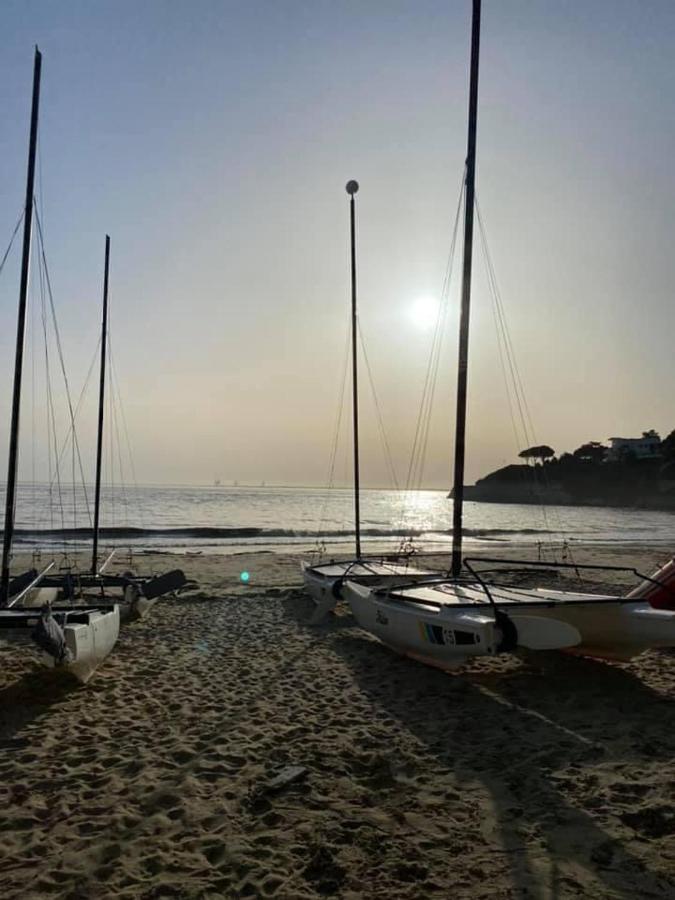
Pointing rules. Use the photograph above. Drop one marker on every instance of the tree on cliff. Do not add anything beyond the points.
(593, 452)
(541, 452)
(668, 447)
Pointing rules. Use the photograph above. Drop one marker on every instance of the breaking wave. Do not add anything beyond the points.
(213, 533)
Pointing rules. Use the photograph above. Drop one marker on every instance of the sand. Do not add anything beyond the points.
(544, 776)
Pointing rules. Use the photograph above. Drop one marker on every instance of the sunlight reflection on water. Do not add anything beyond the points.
(236, 518)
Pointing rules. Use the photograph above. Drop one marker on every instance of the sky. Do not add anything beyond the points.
(213, 141)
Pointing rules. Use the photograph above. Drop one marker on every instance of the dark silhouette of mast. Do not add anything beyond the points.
(10, 499)
(352, 188)
(101, 401)
(462, 375)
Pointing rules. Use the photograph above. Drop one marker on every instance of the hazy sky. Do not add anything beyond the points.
(213, 140)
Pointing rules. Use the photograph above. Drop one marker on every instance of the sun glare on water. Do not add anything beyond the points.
(424, 312)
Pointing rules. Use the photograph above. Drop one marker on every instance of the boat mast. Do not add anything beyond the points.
(101, 401)
(352, 188)
(462, 375)
(10, 498)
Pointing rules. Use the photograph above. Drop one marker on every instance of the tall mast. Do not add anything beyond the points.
(10, 499)
(462, 375)
(352, 188)
(101, 402)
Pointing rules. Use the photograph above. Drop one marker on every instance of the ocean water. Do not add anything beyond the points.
(231, 519)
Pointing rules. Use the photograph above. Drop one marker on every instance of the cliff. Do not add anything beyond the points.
(569, 481)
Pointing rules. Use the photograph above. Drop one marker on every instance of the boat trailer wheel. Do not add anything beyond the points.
(336, 588)
(509, 632)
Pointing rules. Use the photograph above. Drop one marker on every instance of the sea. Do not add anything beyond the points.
(230, 519)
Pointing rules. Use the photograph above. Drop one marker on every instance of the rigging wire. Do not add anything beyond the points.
(11, 240)
(416, 465)
(76, 445)
(330, 479)
(115, 428)
(111, 470)
(508, 359)
(115, 382)
(417, 484)
(51, 416)
(83, 393)
(519, 393)
(389, 461)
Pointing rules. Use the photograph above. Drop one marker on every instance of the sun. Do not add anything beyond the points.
(424, 312)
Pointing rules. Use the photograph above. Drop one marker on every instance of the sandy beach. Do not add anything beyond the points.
(541, 776)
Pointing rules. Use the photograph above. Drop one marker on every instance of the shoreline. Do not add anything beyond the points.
(344, 548)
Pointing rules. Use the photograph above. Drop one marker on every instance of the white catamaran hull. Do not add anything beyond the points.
(86, 637)
(448, 627)
(324, 582)
(88, 644)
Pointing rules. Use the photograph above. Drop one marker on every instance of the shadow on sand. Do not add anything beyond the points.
(29, 698)
(563, 746)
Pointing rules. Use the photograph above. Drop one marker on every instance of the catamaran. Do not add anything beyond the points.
(77, 641)
(74, 638)
(136, 595)
(449, 620)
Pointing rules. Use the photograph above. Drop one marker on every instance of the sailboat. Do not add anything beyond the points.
(74, 640)
(137, 595)
(447, 621)
(71, 637)
(324, 581)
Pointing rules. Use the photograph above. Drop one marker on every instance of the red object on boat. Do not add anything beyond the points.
(660, 596)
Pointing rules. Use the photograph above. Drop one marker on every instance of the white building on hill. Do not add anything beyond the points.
(645, 447)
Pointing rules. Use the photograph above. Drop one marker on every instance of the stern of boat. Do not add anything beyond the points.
(325, 592)
(88, 643)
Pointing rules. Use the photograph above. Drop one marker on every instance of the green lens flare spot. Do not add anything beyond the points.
(244, 577)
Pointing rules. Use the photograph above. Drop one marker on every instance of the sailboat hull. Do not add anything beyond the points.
(85, 637)
(88, 643)
(448, 627)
